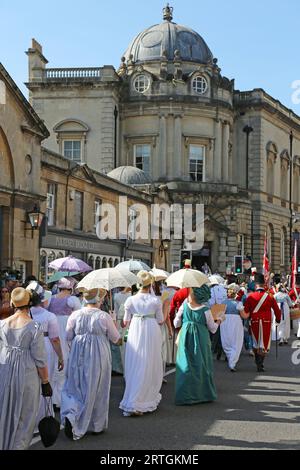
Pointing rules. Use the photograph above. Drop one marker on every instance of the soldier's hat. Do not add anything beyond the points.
(259, 279)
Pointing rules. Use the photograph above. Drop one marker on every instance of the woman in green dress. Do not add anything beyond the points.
(194, 362)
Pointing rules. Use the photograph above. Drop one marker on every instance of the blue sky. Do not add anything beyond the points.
(256, 42)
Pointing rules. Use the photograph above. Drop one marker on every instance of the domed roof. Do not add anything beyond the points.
(168, 40)
(129, 175)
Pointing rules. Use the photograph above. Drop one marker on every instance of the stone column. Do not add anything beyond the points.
(160, 167)
(218, 151)
(225, 159)
(177, 162)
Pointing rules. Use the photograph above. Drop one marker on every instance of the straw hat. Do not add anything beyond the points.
(20, 297)
(94, 296)
(145, 278)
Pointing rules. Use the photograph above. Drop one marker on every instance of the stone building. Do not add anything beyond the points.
(75, 196)
(170, 112)
(69, 196)
(21, 134)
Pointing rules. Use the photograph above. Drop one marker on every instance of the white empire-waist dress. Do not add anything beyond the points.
(143, 356)
(232, 332)
(49, 326)
(284, 328)
(22, 350)
(85, 395)
(62, 307)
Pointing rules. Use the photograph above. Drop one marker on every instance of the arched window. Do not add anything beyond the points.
(59, 255)
(296, 180)
(284, 166)
(51, 257)
(283, 246)
(98, 263)
(272, 153)
(110, 263)
(91, 262)
(104, 262)
(116, 262)
(71, 137)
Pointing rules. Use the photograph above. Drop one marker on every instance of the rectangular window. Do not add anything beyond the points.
(132, 224)
(196, 162)
(78, 223)
(72, 150)
(142, 155)
(97, 212)
(51, 204)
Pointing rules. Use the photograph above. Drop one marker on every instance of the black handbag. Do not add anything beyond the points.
(49, 427)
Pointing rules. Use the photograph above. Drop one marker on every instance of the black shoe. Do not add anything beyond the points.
(233, 370)
(219, 355)
(68, 429)
(94, 433)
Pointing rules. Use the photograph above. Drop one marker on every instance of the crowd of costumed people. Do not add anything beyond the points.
(66, 344)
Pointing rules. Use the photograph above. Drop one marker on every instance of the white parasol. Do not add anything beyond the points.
(107, 278)
(159, 274)
(187, 278)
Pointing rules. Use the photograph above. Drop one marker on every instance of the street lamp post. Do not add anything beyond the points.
(291, 195)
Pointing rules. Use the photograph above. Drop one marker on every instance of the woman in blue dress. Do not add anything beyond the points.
(194, 362)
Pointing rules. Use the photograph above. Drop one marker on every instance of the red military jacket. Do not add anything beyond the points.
(265, 311)
(293, 295)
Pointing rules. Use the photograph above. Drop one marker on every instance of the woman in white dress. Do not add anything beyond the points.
(284, 303)
(49, 326)
(166, 328)
(23, 366)
(85, 396)
(119, 302)
(143, 357)
(232, 329)
(62, 305)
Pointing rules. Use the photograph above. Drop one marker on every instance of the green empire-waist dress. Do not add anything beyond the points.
(194, 362)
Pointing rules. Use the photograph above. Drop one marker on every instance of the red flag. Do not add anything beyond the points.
(294, 265)
(266, 266)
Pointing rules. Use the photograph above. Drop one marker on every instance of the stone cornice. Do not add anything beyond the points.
(23, 102)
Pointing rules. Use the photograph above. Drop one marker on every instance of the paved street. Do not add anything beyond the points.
(252, 412)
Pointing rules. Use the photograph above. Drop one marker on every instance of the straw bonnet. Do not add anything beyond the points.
(66, 283)
(20, 297)
(145, 278)
(94, 296)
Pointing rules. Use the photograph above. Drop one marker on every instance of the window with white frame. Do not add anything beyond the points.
(132, 224)
(141, 83)
(97, 212)
(78, 212)
(197, 162)
(142, 155)
(51, 203)
(72, 150)
(199, 85)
